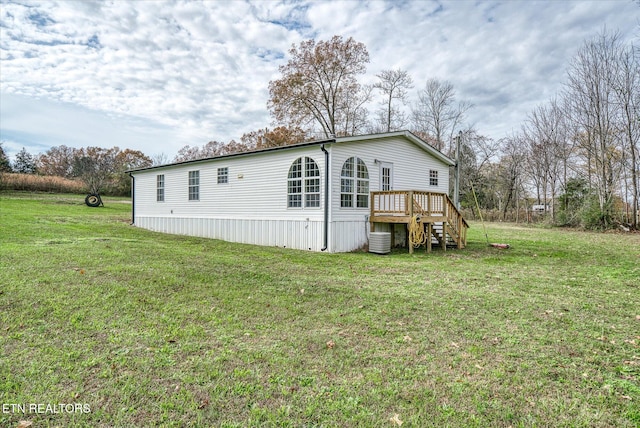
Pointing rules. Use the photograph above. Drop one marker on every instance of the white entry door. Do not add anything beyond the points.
(386, 176)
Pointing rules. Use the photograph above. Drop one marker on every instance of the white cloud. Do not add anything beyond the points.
(39, 124)
(158, 75)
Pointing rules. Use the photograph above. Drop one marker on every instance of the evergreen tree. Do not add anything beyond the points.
(5, 165)
(25, 162)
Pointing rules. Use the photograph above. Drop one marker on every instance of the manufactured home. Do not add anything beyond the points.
(327, 195)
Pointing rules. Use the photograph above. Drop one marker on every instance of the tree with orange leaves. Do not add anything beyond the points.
(319, 87)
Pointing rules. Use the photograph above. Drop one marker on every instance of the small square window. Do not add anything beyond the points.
(223, 175)
(433, 177)
(346, 200)
(312, 200)
(294, 201)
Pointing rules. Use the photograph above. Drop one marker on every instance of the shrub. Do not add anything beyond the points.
(594, 217)
(40, 183)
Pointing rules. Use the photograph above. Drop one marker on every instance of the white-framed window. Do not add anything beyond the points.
(194, 185)
(223, 175)
(433, 177)
(311, 183)
(294, 185)
(303, 184)
(160, 188)
(354, 184)
(386, 176)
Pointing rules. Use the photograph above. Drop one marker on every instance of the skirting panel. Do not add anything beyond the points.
(348, 235)
(297, 234)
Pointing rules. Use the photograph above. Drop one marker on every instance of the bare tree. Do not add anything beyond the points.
(486, 149)
(209, 150)
(437, 112)
(477, 157)
(354, 115)
(511, 172)
(160, 159)
(394, 85)
(590, 91)
(319, 86)
(627, 100)
(545, 134)
(399, 120)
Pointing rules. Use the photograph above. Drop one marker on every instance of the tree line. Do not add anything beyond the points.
(577, 155)
(101, 170)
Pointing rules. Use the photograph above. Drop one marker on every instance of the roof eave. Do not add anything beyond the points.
(253, 152)
(407, 134)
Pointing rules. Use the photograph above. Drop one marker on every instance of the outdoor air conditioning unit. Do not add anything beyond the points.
(380, 242)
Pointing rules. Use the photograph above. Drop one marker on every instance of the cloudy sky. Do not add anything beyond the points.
(155, 75)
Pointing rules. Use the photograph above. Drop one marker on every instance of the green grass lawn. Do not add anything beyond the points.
(143, 329)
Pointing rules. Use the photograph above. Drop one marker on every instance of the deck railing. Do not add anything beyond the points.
(399, 206)
(394, 202)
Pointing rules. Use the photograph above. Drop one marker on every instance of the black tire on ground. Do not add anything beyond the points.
(93, 200)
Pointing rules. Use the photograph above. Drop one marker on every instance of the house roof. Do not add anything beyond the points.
(410, 136)
(407, 134)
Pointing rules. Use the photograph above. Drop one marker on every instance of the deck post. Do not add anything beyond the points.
(393, 234)
(372, 227)
(445, 206)
(372, 197)
(409, 201)
(424, 227)
(429, 232)
(444, 235)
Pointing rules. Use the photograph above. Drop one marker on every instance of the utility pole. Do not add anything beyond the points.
(456, 186)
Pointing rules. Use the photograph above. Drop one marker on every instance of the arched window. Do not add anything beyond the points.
(303, 184)
(354, 184)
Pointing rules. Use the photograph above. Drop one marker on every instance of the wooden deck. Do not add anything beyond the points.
(435, 212)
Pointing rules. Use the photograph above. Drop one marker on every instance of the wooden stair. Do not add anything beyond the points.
(443, 223)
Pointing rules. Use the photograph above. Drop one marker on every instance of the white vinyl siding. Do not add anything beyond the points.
(251, 208)
(257, 187)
